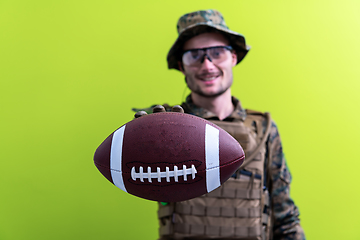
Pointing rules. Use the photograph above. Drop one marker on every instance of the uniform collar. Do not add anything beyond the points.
(238, 113)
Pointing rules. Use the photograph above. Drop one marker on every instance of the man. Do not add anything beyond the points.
(255, 202)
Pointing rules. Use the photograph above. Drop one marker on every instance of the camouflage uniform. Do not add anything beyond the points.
(286, 215)
(286, 222)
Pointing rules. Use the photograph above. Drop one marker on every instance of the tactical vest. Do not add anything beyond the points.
(239, 209)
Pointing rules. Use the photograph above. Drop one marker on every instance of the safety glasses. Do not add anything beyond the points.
(195, 57)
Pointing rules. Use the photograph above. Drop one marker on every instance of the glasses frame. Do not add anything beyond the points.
(202, 59)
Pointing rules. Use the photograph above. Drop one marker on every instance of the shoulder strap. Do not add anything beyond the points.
(264, 138)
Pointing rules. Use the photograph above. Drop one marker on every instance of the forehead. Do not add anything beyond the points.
(206, 40)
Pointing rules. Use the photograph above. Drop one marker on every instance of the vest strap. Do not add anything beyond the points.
(262, 142)
(236, 193)
(216, 231)
(198, 210)
(265, 219)
(165, 211)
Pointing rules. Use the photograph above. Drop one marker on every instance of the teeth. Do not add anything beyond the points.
(208, 78)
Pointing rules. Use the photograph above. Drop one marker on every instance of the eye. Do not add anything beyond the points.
(217, 52)
(195, 54)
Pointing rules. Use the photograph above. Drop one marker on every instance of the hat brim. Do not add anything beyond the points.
(237, 42)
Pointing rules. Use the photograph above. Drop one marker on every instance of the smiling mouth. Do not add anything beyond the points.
(207, 77)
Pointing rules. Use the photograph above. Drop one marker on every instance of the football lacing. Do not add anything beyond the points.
(176, 173)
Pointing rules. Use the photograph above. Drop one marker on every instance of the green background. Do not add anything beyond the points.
(70, 72)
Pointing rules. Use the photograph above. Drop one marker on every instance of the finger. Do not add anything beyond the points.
(158, 108)
(140, 113)
(177, 108)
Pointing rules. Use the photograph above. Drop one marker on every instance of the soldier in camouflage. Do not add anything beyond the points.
(205, 52)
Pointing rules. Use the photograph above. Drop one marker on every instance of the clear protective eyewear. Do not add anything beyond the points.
(195, 57)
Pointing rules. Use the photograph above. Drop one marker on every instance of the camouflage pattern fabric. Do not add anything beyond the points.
(286, 222)
(204, 21)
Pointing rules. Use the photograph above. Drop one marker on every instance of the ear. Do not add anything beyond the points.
(234, 58)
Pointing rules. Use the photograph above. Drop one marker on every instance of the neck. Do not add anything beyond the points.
(221, 105)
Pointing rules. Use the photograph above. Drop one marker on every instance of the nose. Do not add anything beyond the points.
(205, 56)
(206, 63)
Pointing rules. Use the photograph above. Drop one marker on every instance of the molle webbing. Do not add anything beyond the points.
(215, 231)
(210, 211)
(237, 193)
(235, 209)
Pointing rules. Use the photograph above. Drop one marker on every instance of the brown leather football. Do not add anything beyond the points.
(168, 157)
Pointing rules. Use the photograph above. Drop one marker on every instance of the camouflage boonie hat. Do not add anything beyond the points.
(195, 23)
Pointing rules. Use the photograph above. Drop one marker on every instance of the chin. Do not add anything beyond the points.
(211, 94)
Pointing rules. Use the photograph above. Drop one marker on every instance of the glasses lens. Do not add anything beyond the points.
(217, 53)
(192, 56)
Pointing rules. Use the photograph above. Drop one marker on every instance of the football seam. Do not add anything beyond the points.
(177, 183)
(224, 165)
(231, 162)
(185, 161)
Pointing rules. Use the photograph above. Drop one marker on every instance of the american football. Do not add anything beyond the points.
(168, 157)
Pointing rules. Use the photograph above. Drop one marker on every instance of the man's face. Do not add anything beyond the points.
(209, 79)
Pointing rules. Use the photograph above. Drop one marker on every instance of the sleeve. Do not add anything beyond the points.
(286, 224)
